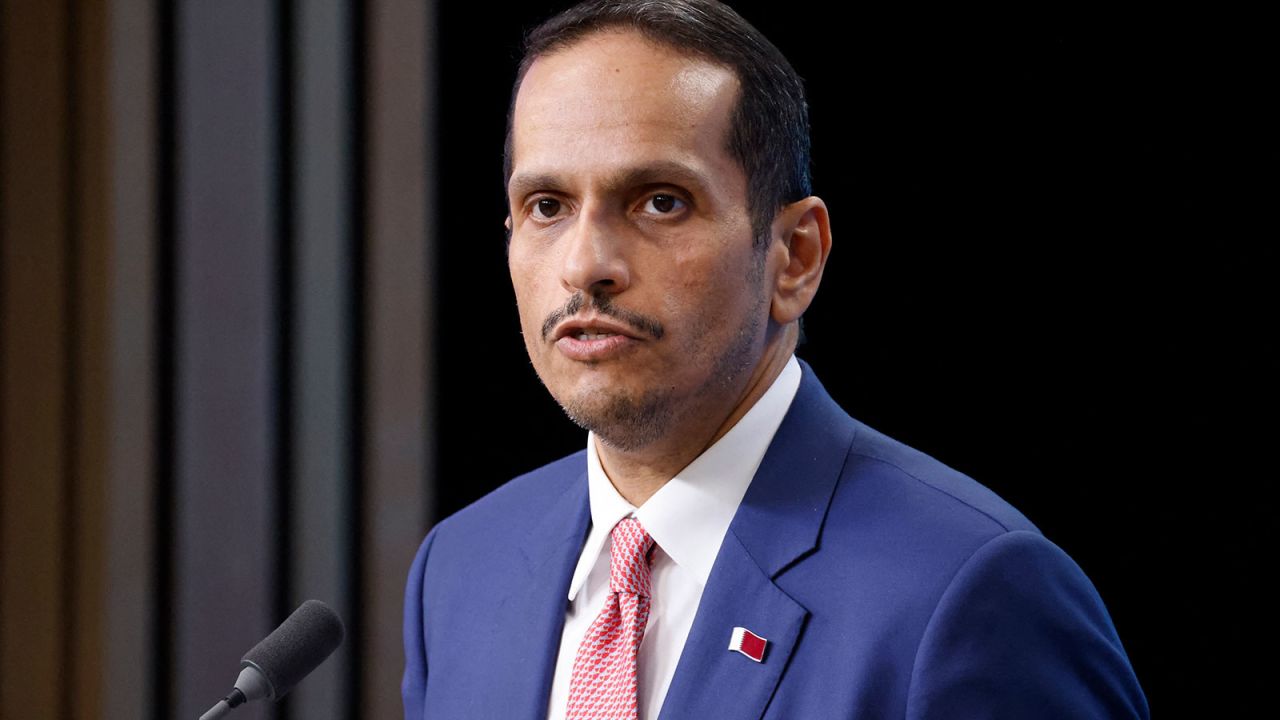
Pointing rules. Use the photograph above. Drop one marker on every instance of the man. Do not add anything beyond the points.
(730, 543)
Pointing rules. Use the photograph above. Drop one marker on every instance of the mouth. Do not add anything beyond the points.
(592, 329)
(597, 315)
(591, 335)
(594, 340)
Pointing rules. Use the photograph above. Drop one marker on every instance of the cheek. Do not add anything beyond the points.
(526, 291)
(709, 305)
(531, 319)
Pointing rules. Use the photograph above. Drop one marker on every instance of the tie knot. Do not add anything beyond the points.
(629, 558)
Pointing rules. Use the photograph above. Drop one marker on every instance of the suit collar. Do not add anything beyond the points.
(559, 534)
(712, 682)
(782, 513)
(778, 523)
(530, 618)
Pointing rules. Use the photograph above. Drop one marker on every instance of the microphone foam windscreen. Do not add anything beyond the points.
(297, 647)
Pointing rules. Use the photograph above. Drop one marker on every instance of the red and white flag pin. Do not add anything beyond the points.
(748, 643)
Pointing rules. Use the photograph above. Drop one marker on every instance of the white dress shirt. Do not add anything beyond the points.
(687, 519)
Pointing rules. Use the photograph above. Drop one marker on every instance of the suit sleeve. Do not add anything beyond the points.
(1021, 632)
(414, 685)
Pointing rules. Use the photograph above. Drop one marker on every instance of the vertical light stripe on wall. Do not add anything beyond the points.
(128, 601)
(89, 379)
(34, 354)
(323, 277)
(194, 435)
(224, 574)
(396, 449)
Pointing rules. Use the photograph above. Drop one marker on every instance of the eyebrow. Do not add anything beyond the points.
(658, 172)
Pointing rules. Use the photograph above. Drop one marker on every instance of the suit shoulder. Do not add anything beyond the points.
(1042, 626)
(950, 495)
(894, 478)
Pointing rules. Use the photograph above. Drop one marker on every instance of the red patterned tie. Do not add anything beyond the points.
(603, 686)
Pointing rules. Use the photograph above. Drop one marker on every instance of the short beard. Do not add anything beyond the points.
(625, 423)
(629, 424)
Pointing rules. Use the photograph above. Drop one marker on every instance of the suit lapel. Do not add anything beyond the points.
(712, 682)
(526, 633)
(777, 525)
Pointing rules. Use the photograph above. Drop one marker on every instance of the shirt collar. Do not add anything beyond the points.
(689, 515)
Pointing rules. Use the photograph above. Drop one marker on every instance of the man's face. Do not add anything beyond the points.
(642, 301)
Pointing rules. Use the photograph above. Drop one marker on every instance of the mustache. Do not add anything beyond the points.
(602, 304)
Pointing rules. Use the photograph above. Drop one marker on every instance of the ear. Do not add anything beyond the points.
(802, 242)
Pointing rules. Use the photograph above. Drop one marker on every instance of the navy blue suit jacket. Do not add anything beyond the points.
(887, 584)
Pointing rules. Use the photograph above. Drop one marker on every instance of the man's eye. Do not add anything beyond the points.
(547, 207)
(664, 204)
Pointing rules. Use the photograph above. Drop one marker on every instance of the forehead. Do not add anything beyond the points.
(614, 100)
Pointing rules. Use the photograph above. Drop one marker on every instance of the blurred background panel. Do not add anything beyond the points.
(257, 334)
(216, 331)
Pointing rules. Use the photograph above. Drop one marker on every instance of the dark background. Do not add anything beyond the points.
(1049, 271)
(256, 331)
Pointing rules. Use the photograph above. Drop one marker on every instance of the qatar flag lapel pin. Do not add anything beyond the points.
(748, 643)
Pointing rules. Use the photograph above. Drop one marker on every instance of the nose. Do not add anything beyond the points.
(594, 261)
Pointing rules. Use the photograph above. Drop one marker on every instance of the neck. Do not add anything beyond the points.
(639, 473)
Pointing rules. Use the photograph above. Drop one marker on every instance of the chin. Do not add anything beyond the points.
(621, 421)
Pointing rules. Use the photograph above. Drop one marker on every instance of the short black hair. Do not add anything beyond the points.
(769, 132)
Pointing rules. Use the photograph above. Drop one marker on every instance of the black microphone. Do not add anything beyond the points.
(284, 657)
